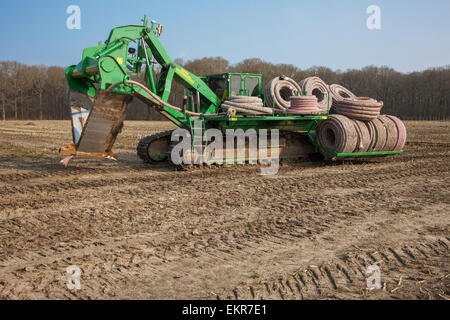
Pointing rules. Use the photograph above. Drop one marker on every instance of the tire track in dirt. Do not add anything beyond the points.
(86, 215)
(236, 235)
(228, 232)
(58, 171)
(41, 191)
(78, 216)
(347, 274)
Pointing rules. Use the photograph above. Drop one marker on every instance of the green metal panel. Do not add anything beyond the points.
(80, 85)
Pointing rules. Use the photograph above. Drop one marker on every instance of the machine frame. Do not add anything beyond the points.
(110, 62)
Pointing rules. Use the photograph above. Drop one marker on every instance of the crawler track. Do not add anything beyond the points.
(145, 143)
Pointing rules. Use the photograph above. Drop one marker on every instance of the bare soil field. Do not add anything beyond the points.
(141, 231)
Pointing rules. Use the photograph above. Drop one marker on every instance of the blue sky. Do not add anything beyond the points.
(414, 35)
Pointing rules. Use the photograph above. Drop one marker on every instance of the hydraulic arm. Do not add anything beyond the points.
(108, 66)
(108, 63)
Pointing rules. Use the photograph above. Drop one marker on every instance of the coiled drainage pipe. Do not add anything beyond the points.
(360, 108)
(338, 93)
(364, 141)
(391, 132)
(303, 105)
(316, 86)
(344, 135)
(337, 133)
(279, 91)
(246, 105)
(401, 130)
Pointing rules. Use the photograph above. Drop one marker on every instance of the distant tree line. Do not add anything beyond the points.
(40, 92)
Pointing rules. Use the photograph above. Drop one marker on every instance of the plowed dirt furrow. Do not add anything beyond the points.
(41, 191)
(79, 222)
(265, 243)
(140, 231)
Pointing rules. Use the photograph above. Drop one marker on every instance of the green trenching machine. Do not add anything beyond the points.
(100, 89)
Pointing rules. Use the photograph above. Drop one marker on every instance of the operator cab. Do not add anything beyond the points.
(234, 84)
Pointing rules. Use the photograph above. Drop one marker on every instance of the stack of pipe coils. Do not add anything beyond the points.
(359, 108)
(345, 135)
(387, 133)
(315, 86)
(278, 92)
(303, 105)
(245, 105)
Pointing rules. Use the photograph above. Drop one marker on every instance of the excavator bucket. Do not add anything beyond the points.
(96, 123)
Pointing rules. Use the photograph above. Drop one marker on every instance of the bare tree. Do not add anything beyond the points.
(39, 82)
(15, 81)
(4, 77)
